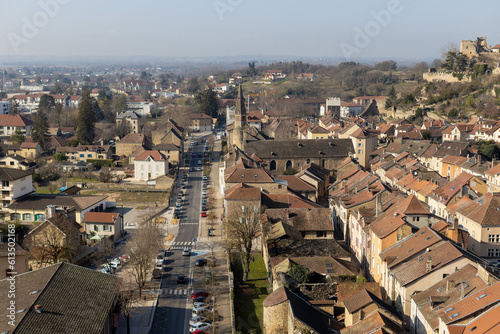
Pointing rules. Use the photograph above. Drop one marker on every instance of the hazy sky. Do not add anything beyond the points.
(318, 28)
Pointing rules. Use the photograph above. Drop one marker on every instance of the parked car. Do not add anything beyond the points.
(199, 326)
(199, 300)
(196, 319)
(181, 279)
(204, 177)
(201, 262)
(186, 252)
(156, 273)
(199, 294)
(200, 304)
(160, 258)
(203, 213)
(159, 266)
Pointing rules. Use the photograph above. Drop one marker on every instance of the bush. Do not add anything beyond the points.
(299, 273)
(98, 164)
(59, 157)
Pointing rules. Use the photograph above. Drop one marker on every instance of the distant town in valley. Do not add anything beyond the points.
(289, 196)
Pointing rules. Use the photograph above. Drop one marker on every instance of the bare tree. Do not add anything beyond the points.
(243, 226)
(126, 300)
(143, 248)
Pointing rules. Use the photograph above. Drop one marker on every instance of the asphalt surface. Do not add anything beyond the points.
(174, 303)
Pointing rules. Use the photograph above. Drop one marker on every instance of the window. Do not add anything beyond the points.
(320, 234)
(416, 219)
(82, 155)
(89, 155)
(96, 228)
(12, 163)
(5, 183)
(272, 165)
(105, 228)
(27, 216)
(360, 145)
(492, 252)
(494, 238)
(360, 151)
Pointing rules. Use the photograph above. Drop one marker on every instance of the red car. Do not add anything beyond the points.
(203, 214)
(197, 294)
(199, 331)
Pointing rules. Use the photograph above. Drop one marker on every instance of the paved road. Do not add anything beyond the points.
(174, 304)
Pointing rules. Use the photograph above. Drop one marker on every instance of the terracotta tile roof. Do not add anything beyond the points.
(416, 268)
(289, 200)
(155, 155)
(14, 120)
(345, 290)
(455, 148)
(362, 299)
(485, 210)
(373, 322)
(454, 160)
(324, 265)
(488, 322)
(249, 175)
(41, 201)
(446, 292)
(241, 192)
(409, 247)
(428, 189)
(473, 303)
(494, 171)
(296, 184)
(451, 209)
(449, 190)
(382, 227)
(132, 138)
(412, 206)
(100, 217)
(384, 128)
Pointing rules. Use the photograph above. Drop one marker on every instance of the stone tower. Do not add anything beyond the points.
(240, 121)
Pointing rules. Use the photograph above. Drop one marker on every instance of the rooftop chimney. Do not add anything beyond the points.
(428, 265)
(378, 205)
(462, 290)
(38, 308)
(450, 285)
(345, 188)
(51, 211)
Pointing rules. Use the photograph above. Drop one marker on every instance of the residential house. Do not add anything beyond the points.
(274, 75)
(171, 151)
(449, 193)
(103, 224)
(131, 142)
(57, 230)
(74, 101)
(420, 272)
(493, 178)
(426, 304)
(37, 208)
(4, 106)
(91, 152)
(30, 150)
(448, 148)
(316, 132)
(14, 161)
(62, 298)
(364, 143)
(9, 124)
(200, 122)
(306, 76)
(459, 132)
(376, 322)
(150, 165)
(15, 184)
(241, 196)
(459, 315)
(361, 305)
(480, 218)
(221, 88)
(131, 118)
(350, 109)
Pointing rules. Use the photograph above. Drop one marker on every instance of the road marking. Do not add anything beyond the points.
(177, 292)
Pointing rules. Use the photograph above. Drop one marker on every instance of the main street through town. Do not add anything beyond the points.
(174, 303)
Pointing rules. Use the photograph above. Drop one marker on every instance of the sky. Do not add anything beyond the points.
(408, 29)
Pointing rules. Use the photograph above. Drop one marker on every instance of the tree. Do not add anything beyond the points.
(14, 107)
(243, 226)
(119, 104)
(207, 102)
(40, 132)
(17, 137)
(193, 86)
(386, 65)
(143, 249)
(391, 98)
(59, 157)
(86, 119)
(299, 273)
(252, 71)
(46, 103)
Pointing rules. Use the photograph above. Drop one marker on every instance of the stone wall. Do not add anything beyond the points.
(443, 76)
(276, 318)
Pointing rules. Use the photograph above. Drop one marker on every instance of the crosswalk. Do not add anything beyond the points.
(181, 244)
(175, 292)
(188, 224)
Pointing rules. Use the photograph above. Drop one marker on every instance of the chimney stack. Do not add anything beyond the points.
(462, 290)
(450, 285)
(51, 211)
(38, 308)
(428, 265)
(345, 188)
(378, 205)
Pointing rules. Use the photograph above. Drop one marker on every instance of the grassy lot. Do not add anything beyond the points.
(250, 295)
(44, 190)
(142, 197)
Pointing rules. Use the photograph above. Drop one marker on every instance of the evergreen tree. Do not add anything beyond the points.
(85, 129)
(40, 132)
(46, 103)
(57, 89)
(391, 98)
(17, 137)
(14, 107)
(207, 102)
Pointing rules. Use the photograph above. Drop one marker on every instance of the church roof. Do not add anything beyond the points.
(319, 148)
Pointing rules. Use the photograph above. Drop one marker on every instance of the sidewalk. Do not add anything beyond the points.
(215, 243)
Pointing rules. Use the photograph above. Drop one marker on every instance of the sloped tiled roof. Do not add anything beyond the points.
(319, 148)
(373, 322)
(71, 298)
(485, 210)
(155, 155)
(14, 120)
(412, 206)
(100, 217)
(10, 174)
(241, 192)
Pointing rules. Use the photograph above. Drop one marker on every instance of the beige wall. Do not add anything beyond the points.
(276, 318)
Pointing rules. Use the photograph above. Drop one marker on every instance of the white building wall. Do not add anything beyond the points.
(155, 169)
